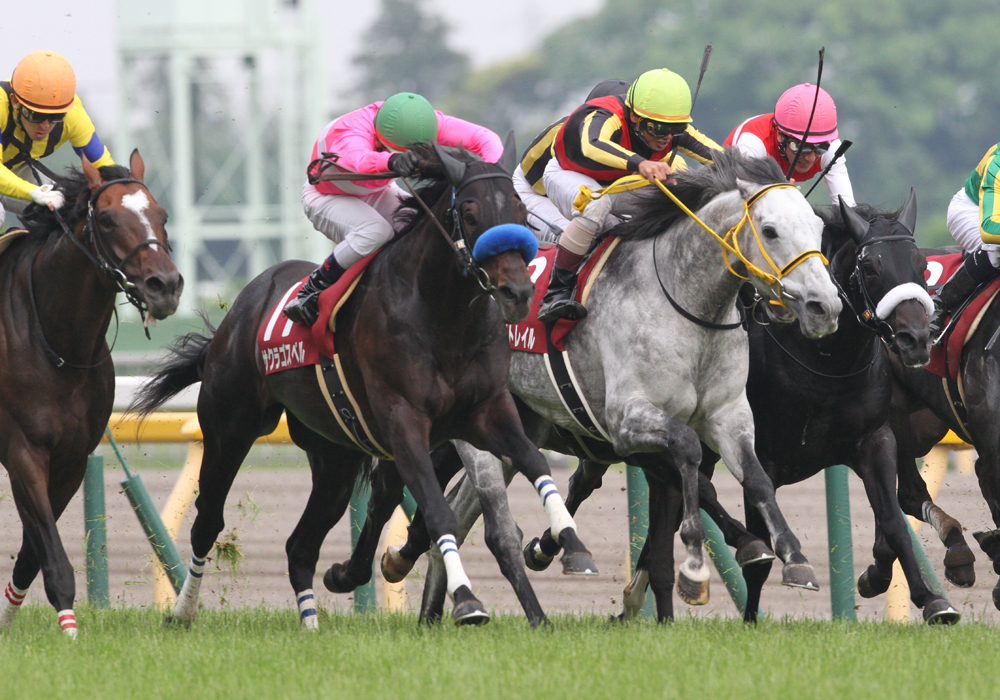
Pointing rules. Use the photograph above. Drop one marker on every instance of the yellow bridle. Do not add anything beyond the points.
(632, 182)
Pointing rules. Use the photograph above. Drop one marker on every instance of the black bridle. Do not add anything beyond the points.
(104, 260)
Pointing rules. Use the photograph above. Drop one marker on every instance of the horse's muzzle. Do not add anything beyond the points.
(162, 293)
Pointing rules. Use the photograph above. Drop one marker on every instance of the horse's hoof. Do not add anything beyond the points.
(961, 576)
(468, 610)
(690, 591)
(755, 552)
(175, 621)
(395, 566)
(872, 583)
(534, 558)
(578, 564)
(799, 576)
(989, 540)
(958, 565)
(336, 580)
(940, 612)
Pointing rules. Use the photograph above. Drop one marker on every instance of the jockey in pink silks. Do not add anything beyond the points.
(359, 215)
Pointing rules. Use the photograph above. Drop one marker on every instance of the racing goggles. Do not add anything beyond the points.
(39, 117)
(661, 129)
(795, 145)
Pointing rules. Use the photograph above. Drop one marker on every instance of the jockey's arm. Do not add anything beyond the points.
(456, 132)
(597, 141)
(355, 151)
(837, 180)
(989, 203)
(79, 130)
(13, 186)
(697, 145)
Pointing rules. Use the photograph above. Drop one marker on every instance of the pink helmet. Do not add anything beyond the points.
(791, 114)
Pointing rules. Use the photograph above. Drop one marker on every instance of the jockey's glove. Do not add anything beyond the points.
(404, 164)
(47, 196)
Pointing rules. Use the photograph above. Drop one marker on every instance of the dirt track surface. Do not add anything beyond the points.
(265, 504)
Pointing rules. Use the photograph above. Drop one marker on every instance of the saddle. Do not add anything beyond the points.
(9, 236)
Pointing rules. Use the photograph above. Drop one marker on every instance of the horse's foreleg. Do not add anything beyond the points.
(587, 478)
(733, 433)
(408, 441)
(39, 503)
(499, 431)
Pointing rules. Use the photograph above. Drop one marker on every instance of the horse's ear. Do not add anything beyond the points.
(94, 178)
(856, 226)
(508, 161)
(908, 217)
(135, 165)
(453, 167)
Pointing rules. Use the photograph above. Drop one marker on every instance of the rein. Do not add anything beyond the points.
(104, 262)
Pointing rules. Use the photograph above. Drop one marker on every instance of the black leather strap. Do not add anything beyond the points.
(345, 409)
(565, 387)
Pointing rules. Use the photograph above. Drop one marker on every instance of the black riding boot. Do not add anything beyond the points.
(974, 271)
(558, 301)
(304, 308)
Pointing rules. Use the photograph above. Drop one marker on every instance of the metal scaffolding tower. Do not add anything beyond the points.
(224, 100)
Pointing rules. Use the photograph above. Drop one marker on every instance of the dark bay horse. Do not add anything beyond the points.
(425, 352)
(58, 285)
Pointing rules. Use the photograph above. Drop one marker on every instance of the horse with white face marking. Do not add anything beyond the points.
(658, 380)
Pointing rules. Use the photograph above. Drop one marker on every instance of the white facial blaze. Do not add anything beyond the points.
(138, 202)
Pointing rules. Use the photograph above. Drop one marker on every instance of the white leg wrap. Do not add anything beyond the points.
(67, 622)
(307, 609)
(10, 603)
(453, 564)
(186, 607)
(692, 574)
(555, 509)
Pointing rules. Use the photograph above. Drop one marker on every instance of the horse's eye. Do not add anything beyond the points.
(770, 232)
(106, 221)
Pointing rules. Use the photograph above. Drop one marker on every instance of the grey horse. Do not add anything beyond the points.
(656, 381)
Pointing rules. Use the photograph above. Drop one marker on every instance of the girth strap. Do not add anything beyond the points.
(333, 386)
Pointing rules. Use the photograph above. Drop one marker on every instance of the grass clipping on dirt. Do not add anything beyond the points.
(129, 653)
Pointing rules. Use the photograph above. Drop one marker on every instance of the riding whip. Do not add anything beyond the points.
(704, 67)
(819, 77)
(841, 150)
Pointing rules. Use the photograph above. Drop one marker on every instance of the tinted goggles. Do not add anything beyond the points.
(661, 129)
(794, 145)
(39, 117)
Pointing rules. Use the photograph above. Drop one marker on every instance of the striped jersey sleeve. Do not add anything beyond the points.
(988, 196)
(697, 145)
(537, 156)
(80, 132)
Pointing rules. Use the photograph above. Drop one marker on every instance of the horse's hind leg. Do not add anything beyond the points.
(587, 478)
(39, 506)
(732, 431)
(334, 472)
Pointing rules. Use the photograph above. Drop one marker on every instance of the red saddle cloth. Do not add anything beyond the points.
(286, 345)
(946, 359)
(529, 335)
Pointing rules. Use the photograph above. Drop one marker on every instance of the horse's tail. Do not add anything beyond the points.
(183, 370)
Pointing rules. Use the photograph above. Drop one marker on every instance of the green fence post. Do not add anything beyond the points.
(409, 504)
(156, 532)
(725, 563)
(926, 568)
(364, 596)
(95, 532)
(838, 523)
(638, 527)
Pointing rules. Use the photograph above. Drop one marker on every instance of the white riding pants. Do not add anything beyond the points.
(358, 225)
(547, 221)
(963, 224)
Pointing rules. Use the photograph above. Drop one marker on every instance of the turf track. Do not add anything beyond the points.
(256, 653)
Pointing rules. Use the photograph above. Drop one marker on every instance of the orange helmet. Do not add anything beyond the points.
(44, 82)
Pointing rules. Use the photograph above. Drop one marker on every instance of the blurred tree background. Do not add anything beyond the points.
(915, 81)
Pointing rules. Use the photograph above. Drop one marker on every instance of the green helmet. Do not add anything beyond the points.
(405, 119)
(660, 95)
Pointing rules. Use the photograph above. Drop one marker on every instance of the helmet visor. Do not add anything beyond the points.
(34, 117)
(661, 129)
(795, 146)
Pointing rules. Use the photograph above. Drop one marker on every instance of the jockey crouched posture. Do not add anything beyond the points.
(39, 112)
(358, 215)
(779, 136)
(973, 221)
(605, 139)
(543, 216)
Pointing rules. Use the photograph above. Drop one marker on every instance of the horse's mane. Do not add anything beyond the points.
(42, 222)
(434, 182)
(654, 211)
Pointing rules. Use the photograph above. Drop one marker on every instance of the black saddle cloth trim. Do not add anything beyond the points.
(345, 409)
(584, 447)
(959, 407)
(566, 388)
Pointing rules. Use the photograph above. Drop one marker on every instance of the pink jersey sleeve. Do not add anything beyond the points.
(352, 137)
(453, 131)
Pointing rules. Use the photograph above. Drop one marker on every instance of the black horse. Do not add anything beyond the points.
(59, 283)
(424, 349)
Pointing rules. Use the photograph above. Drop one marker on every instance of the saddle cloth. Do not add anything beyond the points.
(946, 358)
(286, 345)
(529, 335)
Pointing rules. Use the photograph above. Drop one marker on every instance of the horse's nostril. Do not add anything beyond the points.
(816, 308)
(155, 285)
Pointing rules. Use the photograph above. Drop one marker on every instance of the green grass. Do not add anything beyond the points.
(257, 653)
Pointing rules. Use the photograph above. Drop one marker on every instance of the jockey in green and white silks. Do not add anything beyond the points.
(974, 222)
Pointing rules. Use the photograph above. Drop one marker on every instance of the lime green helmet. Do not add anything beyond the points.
(660, 95)
(405, 119)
